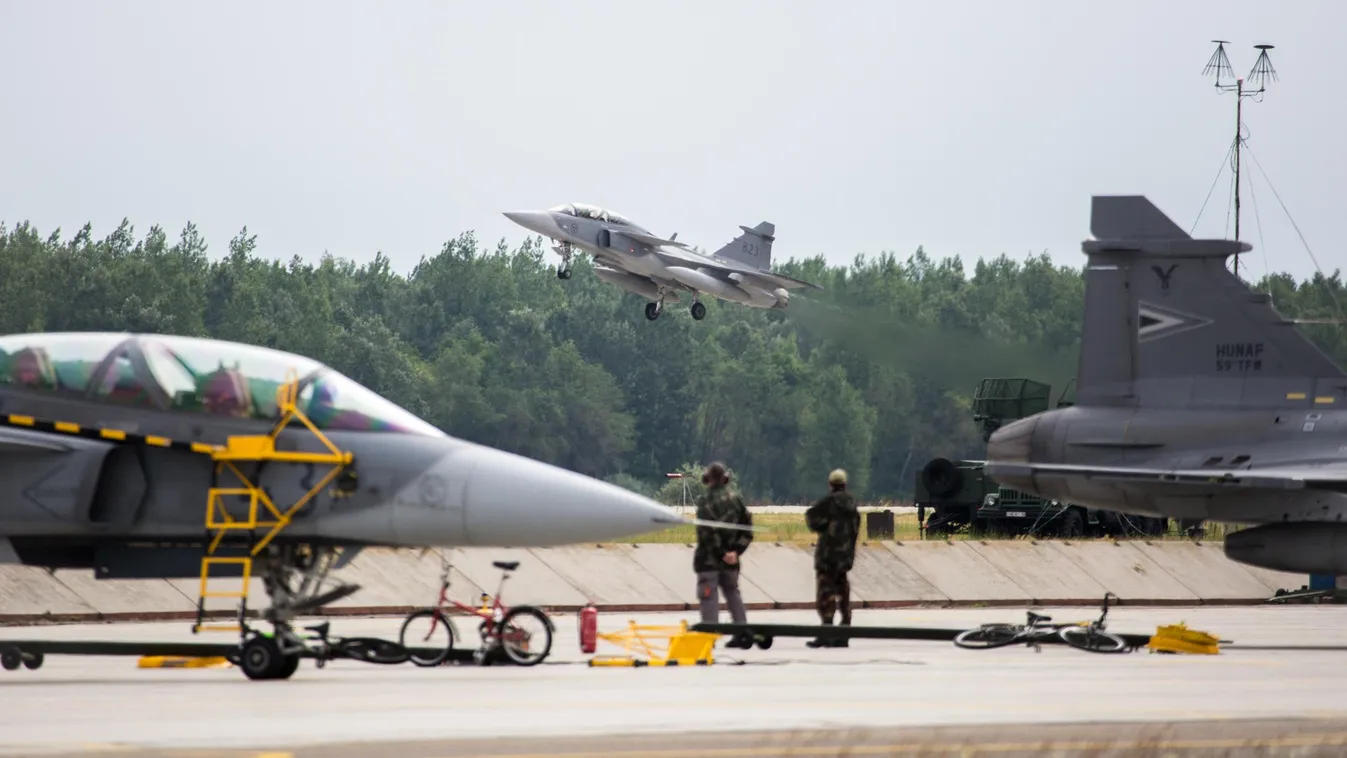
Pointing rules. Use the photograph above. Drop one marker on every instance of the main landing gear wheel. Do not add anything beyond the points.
(698, 311)
(563, 273)
(652, 310)
(11, 659)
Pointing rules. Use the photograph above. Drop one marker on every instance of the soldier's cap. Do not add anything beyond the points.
(838, 476)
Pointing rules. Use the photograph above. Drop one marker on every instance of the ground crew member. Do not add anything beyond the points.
(838, 524)
(716, 559)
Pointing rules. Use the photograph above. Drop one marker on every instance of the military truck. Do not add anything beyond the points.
(961, 497)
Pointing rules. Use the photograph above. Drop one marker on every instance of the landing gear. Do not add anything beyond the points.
(565, 251)
(294, 577)
(698, 311)
(656, 306)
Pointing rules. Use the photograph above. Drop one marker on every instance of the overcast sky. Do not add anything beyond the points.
(970, 128)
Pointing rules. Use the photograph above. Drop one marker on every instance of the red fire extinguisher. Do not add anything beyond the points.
(589, 628)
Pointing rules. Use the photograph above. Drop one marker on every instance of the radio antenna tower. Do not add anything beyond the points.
(1258, 77)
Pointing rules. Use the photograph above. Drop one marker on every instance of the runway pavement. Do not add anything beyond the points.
(832, 702)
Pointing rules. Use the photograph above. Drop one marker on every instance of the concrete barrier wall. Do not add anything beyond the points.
(660, 577)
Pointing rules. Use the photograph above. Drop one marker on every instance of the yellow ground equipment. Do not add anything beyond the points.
(181, 662)
(662, 646)
(1178, 638)
(262, 513)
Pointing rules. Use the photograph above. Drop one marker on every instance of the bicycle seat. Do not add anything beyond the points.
(319, 629)
(506, 565)
(1035, 618)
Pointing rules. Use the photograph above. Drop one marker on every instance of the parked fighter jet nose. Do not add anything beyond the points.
(535, 221)
(515, 501)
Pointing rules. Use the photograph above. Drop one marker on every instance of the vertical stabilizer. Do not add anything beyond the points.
(753, 247)
(1167, 325)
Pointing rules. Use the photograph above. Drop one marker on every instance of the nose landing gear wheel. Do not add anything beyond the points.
(652, 311)
(698, 311)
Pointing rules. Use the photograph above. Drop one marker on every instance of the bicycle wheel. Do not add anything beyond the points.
(416, 635)
(521, 646)
(1092, 640)
(372, 650)
(989, 636)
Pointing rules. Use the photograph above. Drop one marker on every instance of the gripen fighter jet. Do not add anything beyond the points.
(1196, 400)
(150, 456)
(658, 269)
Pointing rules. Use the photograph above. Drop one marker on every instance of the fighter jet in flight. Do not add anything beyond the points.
(1195, 400)
(150, 456)
(657, 269)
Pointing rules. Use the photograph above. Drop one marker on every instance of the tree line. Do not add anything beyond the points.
(873, 374)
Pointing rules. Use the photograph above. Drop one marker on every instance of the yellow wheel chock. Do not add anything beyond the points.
(181, 662)
(662, 646)
(1178, 638)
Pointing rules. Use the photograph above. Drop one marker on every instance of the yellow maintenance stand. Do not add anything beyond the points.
(662, 646)
(263, 519)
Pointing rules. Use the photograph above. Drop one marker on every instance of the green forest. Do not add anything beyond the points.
(873, 374)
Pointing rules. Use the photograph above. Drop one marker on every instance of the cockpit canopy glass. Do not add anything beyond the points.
(583, 210)
(170, 373)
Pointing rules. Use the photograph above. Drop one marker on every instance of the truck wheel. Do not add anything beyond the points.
(941, 477)
(1072, 526)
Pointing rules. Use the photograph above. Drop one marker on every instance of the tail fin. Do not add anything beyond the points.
(1167, 325)
(753, 247)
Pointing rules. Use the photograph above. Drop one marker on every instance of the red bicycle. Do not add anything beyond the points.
(503, 628)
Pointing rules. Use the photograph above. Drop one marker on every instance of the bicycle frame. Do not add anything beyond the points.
(492, 609)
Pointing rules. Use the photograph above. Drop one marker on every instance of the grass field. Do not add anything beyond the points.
(790, 528)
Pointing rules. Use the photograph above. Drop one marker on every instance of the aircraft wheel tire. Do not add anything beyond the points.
(563, 273)
(32, 661)
(261, 659)
(652, 311)
(11, 659)
(698, 311)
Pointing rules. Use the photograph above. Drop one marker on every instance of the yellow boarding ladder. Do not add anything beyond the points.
(262, 513)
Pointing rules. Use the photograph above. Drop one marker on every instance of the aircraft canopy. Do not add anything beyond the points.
(172, 373)
(582, 210)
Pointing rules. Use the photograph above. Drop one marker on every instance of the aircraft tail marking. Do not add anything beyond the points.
(753, 247)
(1166, 324)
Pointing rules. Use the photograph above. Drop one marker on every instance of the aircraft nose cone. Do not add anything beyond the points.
(535, 221)
(512, 501)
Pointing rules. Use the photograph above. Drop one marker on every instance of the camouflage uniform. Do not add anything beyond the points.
(838, 524)
(719, 504)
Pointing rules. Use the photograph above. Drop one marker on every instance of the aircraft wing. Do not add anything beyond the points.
(723, 267)
(1290, 477)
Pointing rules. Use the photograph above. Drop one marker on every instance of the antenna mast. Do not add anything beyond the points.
(1262, 70)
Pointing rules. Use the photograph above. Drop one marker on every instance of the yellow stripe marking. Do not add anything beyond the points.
(1324, 399)
(21, 420)
(1295, 396)
(202, 447)
(160, 441)
(66, 426)
(112, 434)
